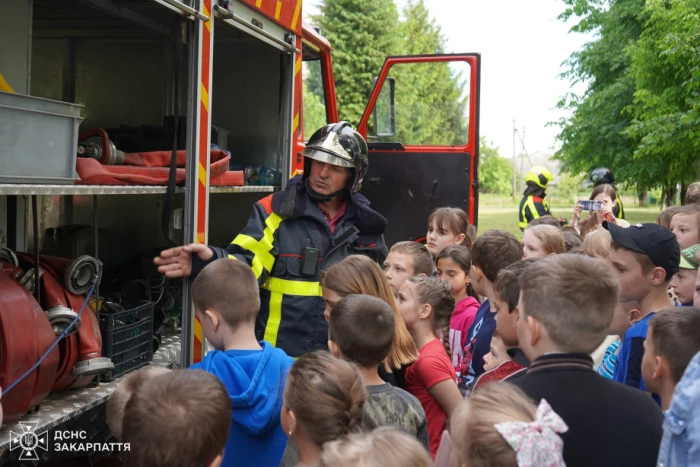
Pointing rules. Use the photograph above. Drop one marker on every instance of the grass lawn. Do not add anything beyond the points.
(506, 218)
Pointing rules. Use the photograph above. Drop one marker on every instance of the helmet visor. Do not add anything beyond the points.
(329, 150)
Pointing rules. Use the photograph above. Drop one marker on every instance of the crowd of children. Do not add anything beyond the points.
(576, 347)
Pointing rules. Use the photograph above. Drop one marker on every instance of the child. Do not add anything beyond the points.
(607, 196)
(685, 224)
(498, 364)
(692, 194)
(492, 252)
(357, 274)
(625, 316)
(447, 226)
(673, 339)
(502, 427)
(361, 329)
(557, 331)
(405, 260)
(665, 217)
(644, 258)
(384, 447)
(541, 241)
(572, 239)
(683, 282)
(453, 266)
(178, 419)
(597, 245)
(226, 302)
(323, 401)
(426, 306)
(121, 395)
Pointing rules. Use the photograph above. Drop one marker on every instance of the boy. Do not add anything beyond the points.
(121, 395)
(566, 306)
(685, 224)
(361, 329)
(683, 282)
(605, 357)
(673, 339)
(405, 260)
(226, 301)
(644, 258)
(493, 251)
(177, 419)
(505, 303)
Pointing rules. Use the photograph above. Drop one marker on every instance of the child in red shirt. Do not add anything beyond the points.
(426, 304)
(453, 266)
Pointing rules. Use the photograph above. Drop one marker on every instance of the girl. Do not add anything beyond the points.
(597, 245)
(358, 274)
(488, 425)
(323, 401)
(447, 226)
(426, 305)
(607, 196)
(384, 447)
(453, 266)
(541, 241)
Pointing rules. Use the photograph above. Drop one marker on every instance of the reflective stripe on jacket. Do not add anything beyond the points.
(531, 208)
(273, 243)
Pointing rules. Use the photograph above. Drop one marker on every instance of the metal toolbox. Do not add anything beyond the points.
(38, 139)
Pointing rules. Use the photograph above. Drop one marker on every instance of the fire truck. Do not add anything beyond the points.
(218, 87)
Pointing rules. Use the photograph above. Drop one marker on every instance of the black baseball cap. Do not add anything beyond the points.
(653, 240)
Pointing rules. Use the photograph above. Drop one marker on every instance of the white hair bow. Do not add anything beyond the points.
(537, 443)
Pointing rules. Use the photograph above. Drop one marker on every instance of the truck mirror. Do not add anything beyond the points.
(383, 115)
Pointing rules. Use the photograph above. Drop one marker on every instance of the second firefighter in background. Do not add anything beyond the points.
(533, 204)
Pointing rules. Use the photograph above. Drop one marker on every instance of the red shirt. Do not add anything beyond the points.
(432, 367)
(333, 221)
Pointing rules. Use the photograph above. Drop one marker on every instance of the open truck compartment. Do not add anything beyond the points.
(116, 60)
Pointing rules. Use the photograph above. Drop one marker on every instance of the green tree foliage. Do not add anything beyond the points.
(363, 33)
(495, 172)
(640, 115)
(314, 111)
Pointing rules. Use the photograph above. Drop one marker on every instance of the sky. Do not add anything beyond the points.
(522, 46)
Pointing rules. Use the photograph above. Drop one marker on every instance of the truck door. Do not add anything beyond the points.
(422, 128)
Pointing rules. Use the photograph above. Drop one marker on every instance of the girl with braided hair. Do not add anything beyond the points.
(426, 305)
(323, 401)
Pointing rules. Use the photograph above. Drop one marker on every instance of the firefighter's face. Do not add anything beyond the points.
(328, 178)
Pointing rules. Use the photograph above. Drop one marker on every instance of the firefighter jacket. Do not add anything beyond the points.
(532, 207)
(278, 244)
(618, 209)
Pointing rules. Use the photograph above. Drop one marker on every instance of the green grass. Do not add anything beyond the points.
(506, 217)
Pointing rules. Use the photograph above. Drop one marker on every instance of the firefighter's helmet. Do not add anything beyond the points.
(601, 176)
(540, 176)
(339, 144)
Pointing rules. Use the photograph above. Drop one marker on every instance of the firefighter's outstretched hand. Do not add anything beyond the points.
(177, 262)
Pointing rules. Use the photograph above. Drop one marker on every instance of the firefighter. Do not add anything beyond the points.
(603, 176)
(533, 204)
(295, 234)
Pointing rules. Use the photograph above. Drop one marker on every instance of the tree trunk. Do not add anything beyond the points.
(672, 191)
(684, 188)
(643, 198)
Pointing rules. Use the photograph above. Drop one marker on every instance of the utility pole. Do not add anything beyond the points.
(522, 169)
(514, 130)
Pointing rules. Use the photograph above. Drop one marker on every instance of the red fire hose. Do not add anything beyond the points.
(25, 335)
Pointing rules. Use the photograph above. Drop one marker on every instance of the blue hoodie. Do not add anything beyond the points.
(255, 382)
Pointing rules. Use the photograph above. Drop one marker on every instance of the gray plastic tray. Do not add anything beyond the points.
(38, 139)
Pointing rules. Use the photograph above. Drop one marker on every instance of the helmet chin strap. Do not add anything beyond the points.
(320, 197)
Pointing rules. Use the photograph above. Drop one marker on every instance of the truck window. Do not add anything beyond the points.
(430, 105)
(313, 97)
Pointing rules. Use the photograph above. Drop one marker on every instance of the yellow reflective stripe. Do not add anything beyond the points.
(274, 318)
(263, 258)
(287, 287)
(232, 257)
(531, 204)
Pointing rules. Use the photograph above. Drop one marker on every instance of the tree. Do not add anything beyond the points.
(363, 33)
(495, 172)
(314, 112)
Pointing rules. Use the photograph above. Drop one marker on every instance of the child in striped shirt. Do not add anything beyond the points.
(626, 314)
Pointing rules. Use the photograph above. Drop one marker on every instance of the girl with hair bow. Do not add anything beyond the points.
(501, 426)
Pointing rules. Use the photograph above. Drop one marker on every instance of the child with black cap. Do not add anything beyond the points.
(644, 257)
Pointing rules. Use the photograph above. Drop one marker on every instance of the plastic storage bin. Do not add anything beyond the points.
(127, 337)
(38, 139)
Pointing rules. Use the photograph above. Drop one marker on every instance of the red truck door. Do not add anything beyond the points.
(422, 128)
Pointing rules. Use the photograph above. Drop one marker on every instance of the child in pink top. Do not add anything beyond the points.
(453, 266)
(425, 305)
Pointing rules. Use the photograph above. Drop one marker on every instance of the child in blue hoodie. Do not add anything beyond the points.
(226, 301)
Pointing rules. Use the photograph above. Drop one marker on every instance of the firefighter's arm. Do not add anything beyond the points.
(542, 210)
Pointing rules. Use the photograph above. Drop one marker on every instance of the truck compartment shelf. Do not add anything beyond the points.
(17, 189)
